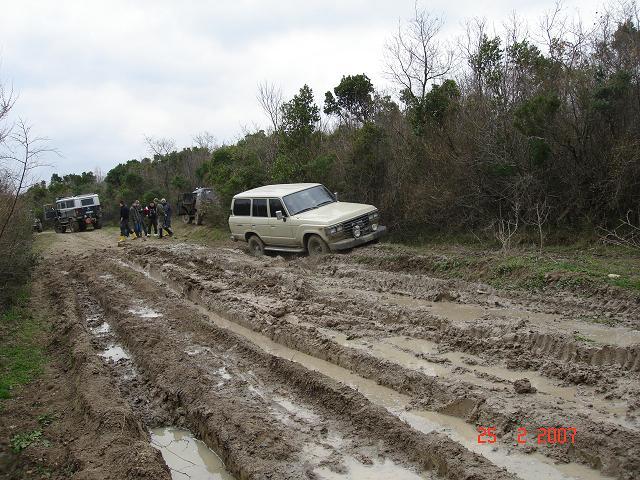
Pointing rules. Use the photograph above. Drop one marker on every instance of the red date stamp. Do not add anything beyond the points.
(545, 435)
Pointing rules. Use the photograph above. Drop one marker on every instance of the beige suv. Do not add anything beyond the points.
(301, 217)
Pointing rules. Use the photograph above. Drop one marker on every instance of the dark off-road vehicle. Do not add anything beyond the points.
(75, 213)
(195, 205)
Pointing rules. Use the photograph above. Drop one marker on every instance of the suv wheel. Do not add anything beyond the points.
(256, 246)
(317, 246)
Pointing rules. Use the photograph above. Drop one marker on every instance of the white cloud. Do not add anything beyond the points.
(97, 76)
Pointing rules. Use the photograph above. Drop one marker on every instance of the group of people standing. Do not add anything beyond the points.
(155, 216)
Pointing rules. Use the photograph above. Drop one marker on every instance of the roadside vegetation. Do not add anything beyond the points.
(21, 345)
(528, 132)
(524, 268)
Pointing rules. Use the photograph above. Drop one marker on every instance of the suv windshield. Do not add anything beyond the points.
(308, 199)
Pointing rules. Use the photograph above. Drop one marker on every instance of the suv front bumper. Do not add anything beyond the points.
(354, 242)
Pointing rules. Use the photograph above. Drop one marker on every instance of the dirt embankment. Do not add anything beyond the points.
(330, 368)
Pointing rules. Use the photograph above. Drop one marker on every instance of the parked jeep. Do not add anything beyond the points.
(301, 217)
(75, 213)
(195, 205)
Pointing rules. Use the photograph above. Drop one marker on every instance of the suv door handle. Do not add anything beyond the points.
(253, 224)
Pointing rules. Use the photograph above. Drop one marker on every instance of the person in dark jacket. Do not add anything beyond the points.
(152, 218)
(124, 220)
(166, 223)
(135, 212)
(160, 213)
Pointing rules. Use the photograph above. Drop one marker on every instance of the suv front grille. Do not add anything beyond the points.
(362, 221)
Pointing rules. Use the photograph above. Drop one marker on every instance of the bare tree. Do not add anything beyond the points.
(270, 99)
(626, 233)
(540, 216)
(505, 227)
(23, 153)
(415, 57)
(160, 145)
(7, 100)
(206, 141)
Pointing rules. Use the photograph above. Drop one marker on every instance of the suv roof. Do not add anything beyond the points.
(279, 190)
(77, 196)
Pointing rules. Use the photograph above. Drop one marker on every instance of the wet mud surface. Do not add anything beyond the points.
(335, 368)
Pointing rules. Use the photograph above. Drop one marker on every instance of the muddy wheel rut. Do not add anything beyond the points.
(259, 297)
(304, 368)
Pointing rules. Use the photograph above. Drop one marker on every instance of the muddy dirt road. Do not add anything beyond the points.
(332, 368)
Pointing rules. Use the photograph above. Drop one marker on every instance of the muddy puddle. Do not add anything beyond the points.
(405, 351)
(145, 312)
(101, 329)
(532, 466)
(114, 352)
(187, 457)
(377, 470)
(465, 312)
(525, 466)
(609, 410)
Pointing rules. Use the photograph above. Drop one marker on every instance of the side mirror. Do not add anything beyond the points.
(335, 195)
(279, 215)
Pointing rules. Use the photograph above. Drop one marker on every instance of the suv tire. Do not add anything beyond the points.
(317, 246)
(256, 246)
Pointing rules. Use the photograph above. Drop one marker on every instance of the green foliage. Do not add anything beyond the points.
(299, 117)
(21, 356)
(353, 99)
(612, 90)
(540, 150)
(432, 110)
(233, 169)
(47, 419)
(20, 441)
(535, 115)
(486, 63)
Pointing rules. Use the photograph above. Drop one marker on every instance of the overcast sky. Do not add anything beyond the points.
(97, 76)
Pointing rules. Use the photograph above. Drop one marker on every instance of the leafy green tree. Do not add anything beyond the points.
(353, 100)
(299, 117)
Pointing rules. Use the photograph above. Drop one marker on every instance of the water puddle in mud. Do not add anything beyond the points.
(188, 457)
(527, 467)
(612, 411)
(145, 312)
(297, 410)
(375, 471)
(101, 329)
(532, 466)
(464, 312)
(115, 353)
(222, 371)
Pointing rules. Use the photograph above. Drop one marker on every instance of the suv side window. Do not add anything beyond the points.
(274, 205)
(242, 207)
(260, 207)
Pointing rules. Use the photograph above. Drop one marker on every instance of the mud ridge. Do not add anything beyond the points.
(431, 451)
(612, 455)
(116, 432)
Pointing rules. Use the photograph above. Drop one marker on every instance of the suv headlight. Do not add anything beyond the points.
(373, 216)
(334, 229)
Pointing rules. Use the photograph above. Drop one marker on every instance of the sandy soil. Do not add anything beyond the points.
(323, 368)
